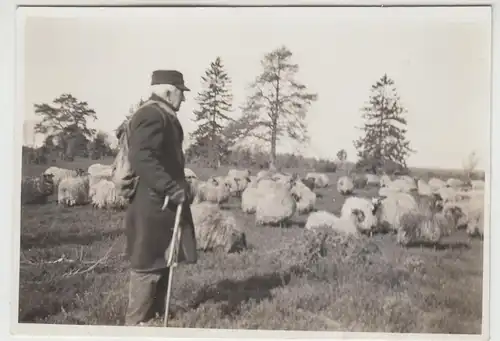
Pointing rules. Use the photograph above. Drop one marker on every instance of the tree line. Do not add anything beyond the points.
(276, 107)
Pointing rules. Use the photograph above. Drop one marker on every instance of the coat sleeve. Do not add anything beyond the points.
(146, 142)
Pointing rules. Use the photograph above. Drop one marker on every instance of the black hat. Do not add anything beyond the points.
(169, 77)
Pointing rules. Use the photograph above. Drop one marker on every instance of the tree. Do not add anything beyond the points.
(278, 104)
(384, 140)
(67, 118)
(342, 155)
(469, 165)
(215, 101)
(99, 146)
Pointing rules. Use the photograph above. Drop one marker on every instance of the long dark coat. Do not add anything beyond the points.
(155, 154)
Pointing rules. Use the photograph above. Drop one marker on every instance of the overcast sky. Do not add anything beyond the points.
(439, 59)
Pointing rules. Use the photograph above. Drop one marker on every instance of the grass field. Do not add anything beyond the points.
(385, 289)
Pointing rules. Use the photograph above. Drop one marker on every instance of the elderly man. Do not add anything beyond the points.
(156, 156)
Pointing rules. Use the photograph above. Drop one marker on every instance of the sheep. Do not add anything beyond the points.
(418, 227)
(309, 183)
(454, 183)
(104, 195)
(320, 180)
(325, 219)
(436, 184)
(468, 214)
(283, 177)
(239, 173)
(305, 198)
(402, 185)
(215, 190)
(61, 173)
(320, 219)
(73, 191)
(386, 191)
(449, 194)
(363, 209)
(423, 188)
(385, 180)
(390, 209)
(100, 170)
(477, 184)
(37, 189)
(359, 180)
(249, 198)
(263, 174)
(237, 184)
(276, 207)
(215, 229)
(345, 186)
(372, 180)
(408, 179)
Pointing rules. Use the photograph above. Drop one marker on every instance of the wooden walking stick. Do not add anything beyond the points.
(171, 261)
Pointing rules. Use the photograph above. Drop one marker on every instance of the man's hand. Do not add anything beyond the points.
(179, 196)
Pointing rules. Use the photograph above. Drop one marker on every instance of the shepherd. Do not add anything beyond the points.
(157, 160)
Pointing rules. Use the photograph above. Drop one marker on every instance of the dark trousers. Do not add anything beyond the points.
(146, 296)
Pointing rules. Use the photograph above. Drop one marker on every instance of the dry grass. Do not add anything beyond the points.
(287, 279)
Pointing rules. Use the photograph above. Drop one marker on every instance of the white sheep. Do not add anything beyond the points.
(402, 185)
(385, 180)
(61, 173)
(215, 190)
(363, 209)
(410, 180)
(320, 180)
(100, 170)
(372, 180)
(477, 184)
(423, 188)
(276, 207)
(104, 195)
(215, 228)
(345, 186)
(386, 191)
(305, 198)
(74, 191)
(325, 219)
(264, 174)
(436, 184)
(389, 210)
(468, 213)
(454, 183)
(239, 173)
(449, 194)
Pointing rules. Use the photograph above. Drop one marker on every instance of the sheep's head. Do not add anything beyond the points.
(438, 203)
(376, 202)
(80, 172)
(359, 215)
(47, 183)
(457, 215)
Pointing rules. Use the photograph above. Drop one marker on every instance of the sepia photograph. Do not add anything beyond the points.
(255, 168)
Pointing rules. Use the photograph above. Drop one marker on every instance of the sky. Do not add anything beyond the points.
(439, 59)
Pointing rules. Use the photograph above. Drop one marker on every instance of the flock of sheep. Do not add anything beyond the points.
(416, 210)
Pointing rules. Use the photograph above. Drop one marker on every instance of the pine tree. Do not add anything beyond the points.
(278, 104)
(384, 141)
(215, 101)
